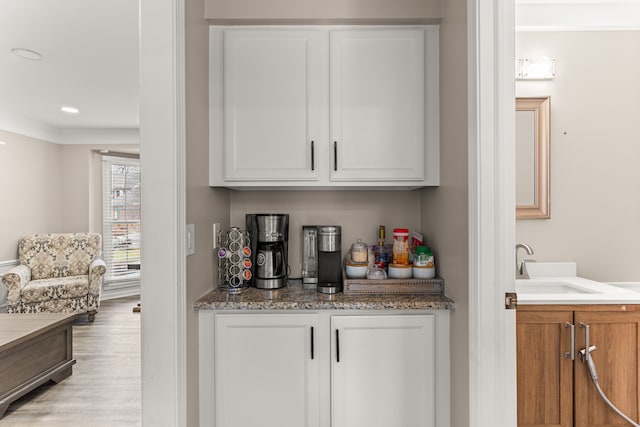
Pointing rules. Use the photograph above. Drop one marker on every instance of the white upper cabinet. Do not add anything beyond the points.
(332, 107)
(377, 105)
(273, 97)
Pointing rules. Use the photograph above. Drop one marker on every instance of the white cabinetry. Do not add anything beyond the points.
(273, 98)
(324, 107)
(378, 105)
(317, 369)
(383, 373)
(265, 370)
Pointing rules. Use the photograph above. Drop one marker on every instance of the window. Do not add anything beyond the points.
(121, 219)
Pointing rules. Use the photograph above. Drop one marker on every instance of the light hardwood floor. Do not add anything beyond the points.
(104, 389)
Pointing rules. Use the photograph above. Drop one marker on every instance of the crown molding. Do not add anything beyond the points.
(21, 125)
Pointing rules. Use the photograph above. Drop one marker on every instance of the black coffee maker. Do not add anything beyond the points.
(269, 242)
(329, 259)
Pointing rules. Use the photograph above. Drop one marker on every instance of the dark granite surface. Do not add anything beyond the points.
(295, 296)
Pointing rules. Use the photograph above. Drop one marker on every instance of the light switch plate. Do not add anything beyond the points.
(191, 239)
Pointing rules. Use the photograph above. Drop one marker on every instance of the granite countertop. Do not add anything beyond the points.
(296, 296)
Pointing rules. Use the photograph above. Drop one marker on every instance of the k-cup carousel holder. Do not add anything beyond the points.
(234, 260)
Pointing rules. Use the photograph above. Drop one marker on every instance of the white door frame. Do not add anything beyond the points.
(492, 348)
(162, 154)
(491, 219)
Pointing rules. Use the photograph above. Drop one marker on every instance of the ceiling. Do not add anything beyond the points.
(89, 60)
(90, 56)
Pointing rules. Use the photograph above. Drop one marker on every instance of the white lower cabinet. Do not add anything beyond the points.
(266, 373)
(383, 371)
(322, 370)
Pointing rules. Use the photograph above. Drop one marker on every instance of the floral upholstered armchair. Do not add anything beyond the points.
(58, 273)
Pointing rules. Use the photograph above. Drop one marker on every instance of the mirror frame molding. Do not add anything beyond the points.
(541, 108)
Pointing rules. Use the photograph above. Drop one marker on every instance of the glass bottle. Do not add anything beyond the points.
(381, 253)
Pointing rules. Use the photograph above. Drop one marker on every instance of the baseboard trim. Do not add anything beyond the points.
(120, 293)
(7, 265)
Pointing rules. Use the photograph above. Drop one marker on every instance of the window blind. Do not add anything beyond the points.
(121, 218)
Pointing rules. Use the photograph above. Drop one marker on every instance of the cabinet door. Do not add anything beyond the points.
(275, 102)
(266, 372)
(615, 336)
(545, 375)
(382, 371)
(377, 105)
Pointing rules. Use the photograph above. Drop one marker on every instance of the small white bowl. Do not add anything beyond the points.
(376, 273)
(400, 271)
(356, 271)
(424, 272)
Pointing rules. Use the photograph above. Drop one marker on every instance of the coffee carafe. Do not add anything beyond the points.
(269, 235)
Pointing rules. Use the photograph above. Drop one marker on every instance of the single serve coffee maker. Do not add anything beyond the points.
(329, 259)
(269, 238)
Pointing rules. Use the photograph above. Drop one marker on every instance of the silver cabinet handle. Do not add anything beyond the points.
(571, 354)
(335, 155)
(587, 344)
(313, 160)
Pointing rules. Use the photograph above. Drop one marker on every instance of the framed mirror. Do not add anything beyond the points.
(532, 158)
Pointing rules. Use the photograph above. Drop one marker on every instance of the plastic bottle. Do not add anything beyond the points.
(424, 266)
(421, 256)
(400, 246)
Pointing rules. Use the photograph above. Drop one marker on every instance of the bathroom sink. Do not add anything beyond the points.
(549, 287)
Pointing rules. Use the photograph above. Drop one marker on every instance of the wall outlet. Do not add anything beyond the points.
(191, 239)
(216, 231)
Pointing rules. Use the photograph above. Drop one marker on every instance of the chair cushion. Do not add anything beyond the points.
(59, 255)
(55, 288)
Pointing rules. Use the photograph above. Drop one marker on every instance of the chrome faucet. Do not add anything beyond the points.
(520, 266)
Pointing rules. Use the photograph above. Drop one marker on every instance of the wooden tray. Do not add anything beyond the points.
(393, 286)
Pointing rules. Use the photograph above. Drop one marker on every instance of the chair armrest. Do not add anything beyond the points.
(97, 268)
(15, 279)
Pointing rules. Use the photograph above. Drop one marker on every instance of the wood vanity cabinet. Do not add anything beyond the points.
(324, 106)
(320, 370)
(554, 390)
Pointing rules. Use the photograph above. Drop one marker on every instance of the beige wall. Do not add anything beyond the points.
(204, 205)
(81, 191)
(358, 212)
(30, 181)
(595, 149)
(441, 213)
(55, 188)
(445, 208)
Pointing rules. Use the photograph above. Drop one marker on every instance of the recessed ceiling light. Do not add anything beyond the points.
(29, 54)
(69, 109)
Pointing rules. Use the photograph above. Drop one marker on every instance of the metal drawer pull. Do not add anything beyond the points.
(337, 346)
(587, 343)
(572, 353)
(335, 155)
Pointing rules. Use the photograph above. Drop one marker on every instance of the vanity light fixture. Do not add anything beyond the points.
(538, 68)
(29, 54)
(69, 109)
